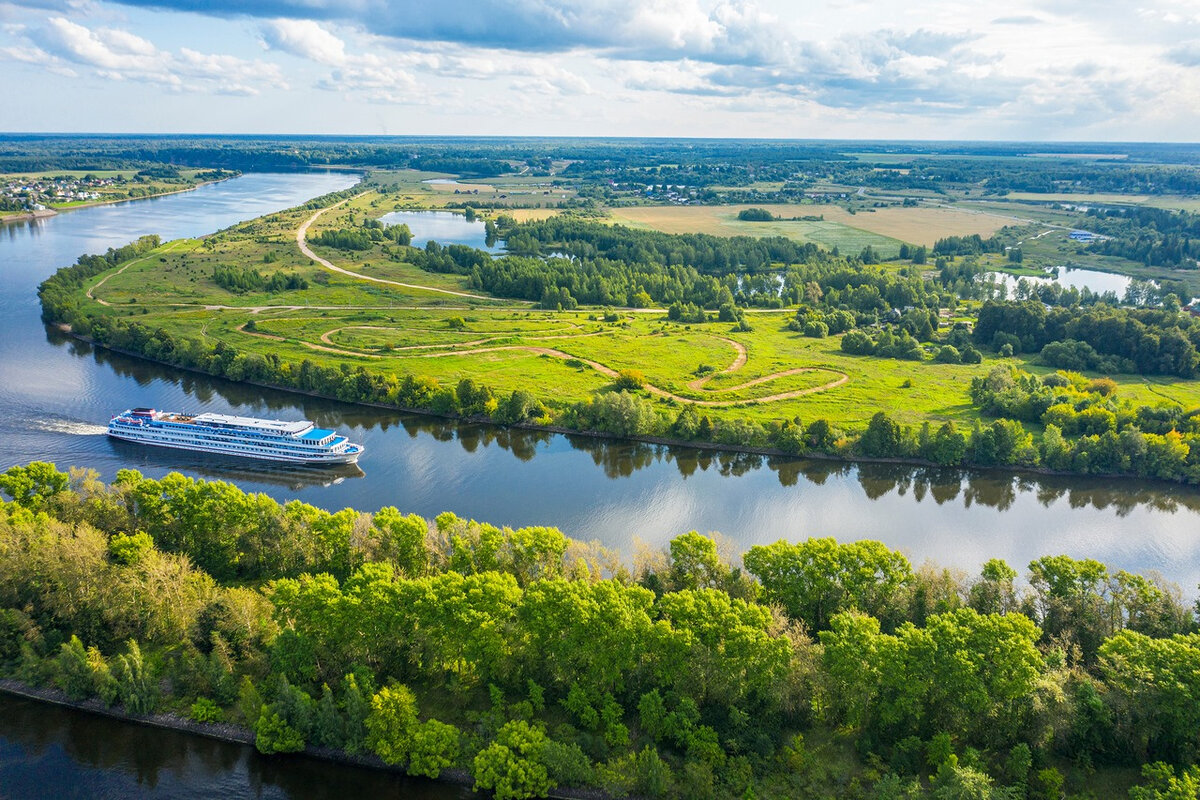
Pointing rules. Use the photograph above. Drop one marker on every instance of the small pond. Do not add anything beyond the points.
(1068, 277)
(443, 227)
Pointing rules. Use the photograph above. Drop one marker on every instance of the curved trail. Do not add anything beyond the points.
(663, 393)
(738, 363)
(102, 281)
(302, 243)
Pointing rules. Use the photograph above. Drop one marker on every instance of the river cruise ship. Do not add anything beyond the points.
(298, 442)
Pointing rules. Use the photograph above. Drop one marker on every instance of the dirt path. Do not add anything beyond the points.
(103, 280)
(738, 363)
(302, 243)
(488, 337)
(663, 393)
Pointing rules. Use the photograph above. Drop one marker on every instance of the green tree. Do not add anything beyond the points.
(74, 670)
(32, 485)
(1164, 782)
(695, 563)
(816, 578)
(512, 766)
(392, 723)
(435, 747)
(137, 682)
(882, 439)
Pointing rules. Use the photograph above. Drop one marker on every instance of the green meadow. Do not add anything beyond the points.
(767, 373)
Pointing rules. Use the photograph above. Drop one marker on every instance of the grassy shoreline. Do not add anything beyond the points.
(718, 447)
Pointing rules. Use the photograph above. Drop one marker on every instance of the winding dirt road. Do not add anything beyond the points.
(302, 243)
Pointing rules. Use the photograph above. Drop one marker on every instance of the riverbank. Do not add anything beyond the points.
(28, 216)
(704, 446)
(53, 211)
(239, 735)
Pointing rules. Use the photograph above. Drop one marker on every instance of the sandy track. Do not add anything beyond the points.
(103, 280)
(654, 390)
(738, 363)
(302, 243)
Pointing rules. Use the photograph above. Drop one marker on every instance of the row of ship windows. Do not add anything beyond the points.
(237, 447)
(225, 443)
(191, 429)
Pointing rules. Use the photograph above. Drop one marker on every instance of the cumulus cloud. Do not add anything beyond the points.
(881, 69)
(390, 76)
(117, 54)
(306, 39)
(729, 30)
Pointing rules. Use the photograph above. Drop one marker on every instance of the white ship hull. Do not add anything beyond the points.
(336, 458)
(265, 440)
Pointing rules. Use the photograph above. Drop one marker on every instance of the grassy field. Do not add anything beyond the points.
(883, 228)
(723, 221)
(766, 374)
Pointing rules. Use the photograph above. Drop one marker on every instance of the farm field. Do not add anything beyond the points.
(723, 221)
(883, 228)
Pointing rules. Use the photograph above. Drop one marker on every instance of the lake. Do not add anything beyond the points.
(443, 227)
(1070, 278)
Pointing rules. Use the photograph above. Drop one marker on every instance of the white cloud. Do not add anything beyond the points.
(305, 38)
(117, 54)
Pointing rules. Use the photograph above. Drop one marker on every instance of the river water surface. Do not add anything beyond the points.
(56, 395)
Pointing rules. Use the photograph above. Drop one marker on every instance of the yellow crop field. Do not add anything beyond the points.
(919, 225)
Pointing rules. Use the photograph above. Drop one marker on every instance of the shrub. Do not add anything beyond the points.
(205, 710)
(629, 380)
(948, 355)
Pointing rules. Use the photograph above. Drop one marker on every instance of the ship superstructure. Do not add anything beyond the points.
(299, 442)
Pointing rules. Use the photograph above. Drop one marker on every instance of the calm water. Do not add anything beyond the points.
(443, 227)
(56, 394)
(1099, 282)
(47, 751)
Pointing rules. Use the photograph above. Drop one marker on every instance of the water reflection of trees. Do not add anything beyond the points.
(177, 764)
(621, 459)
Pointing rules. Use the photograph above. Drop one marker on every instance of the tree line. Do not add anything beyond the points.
(1144, 341)
(247, 279)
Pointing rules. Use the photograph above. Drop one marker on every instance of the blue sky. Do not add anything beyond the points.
(1025, 69)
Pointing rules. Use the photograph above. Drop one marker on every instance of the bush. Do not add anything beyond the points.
(948, 355)
(857, 343)
(272, 735)
(816, 329)
(205, 710)
(629, 380)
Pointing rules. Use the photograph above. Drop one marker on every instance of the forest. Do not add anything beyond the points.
(530, 661)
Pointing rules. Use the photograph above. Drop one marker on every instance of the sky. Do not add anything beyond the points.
(1049, 70)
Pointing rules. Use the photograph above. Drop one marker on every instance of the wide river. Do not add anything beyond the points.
(56, 395)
